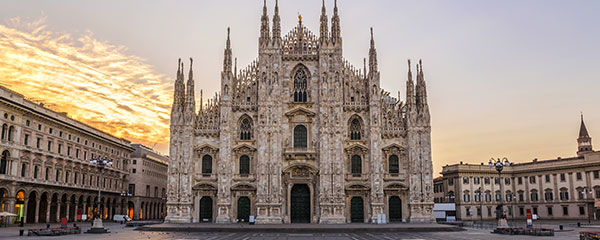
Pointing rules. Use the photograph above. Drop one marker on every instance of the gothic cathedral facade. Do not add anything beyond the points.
(300, 135)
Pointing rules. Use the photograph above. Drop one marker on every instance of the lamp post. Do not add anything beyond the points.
(587, 191)
(499, 165)
(100, 163)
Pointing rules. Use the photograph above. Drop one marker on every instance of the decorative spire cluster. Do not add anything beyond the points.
(227, 54)
(264, 26)
(372, 55)
(336, 37)
(324, 25)
(276, 25)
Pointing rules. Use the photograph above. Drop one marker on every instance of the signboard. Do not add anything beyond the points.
(529, 218)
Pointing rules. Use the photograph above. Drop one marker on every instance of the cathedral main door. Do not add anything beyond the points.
(395, 207)
(357, 213)
(206, 209)
(243, 209)
(300, 204)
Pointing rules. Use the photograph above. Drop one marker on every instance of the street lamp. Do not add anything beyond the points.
(480, 205)
(100, 163)
(585, 193)
(499, 165)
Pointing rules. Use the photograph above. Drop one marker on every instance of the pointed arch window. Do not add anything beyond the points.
(394, 165)
(244, 165)
(355, 129)
(300, 79)
(207, 164)
(4, 129)
(4, 161)
(245, 128)
(300, 138)
(356, 164)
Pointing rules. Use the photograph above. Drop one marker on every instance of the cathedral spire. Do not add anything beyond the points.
(410, 92)
(335, 25)
(179, 94)
(276, 24)
(372, 55)
(190, 101)
(227, 54)
(421, 89)
(264, 26)
(324, 25)
(584, 141)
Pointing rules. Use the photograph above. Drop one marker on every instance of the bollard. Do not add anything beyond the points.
(560, 227)
(21, 232)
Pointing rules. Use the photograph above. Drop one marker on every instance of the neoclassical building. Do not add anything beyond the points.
(300, 135)
(45, 170)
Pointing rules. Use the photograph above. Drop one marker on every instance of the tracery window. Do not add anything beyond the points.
(355, 129)
(206, 164)
(356, 164)
(300, 79)
(300, 136)
(245, 129)
(394, 167)
(244, 164)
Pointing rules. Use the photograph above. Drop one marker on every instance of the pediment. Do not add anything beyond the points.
(205, 186)
(356, 147)
(243, 187)
(205, 147)
(300, 111)
(244, 147)
(395, 186)
(394, 145)
(300, 167)
(357, 187)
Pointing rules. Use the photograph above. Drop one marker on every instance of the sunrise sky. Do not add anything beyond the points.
(505, 78)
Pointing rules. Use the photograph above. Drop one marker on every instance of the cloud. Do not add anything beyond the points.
(93, 81)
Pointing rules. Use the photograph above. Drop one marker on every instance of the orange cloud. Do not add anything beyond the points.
(93, 81)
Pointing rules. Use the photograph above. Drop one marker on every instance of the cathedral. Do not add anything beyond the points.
(300, 136)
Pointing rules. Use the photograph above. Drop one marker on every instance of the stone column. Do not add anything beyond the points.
(68, 208)
(49, 202)
(76, 208)
(84, 210)
(58, 203)
(24, 219)
(37, 211)
(11, 207)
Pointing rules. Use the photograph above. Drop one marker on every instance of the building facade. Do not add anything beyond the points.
(147, 189)
(561, 188)
(45, 172)
(300, 135)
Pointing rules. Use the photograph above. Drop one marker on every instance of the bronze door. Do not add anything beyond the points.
(243, 209)
(357, 214)
(206, 209)
(300, 204)
(395, 207)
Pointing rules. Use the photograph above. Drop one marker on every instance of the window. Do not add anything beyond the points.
(49, 146)
(532, 179)
(477, 196)
(47, 174)
(59, 148)
(356, 165)
(521, 198)
(534, 196)
(488, 197)
(468, 211)
(521, 211)
(4, 129)
(507, 181)
(535, 210)
(509, 196)
(147, 190)
(300, 85)
(520, 180)
(11, 131)
(4, 162)
(23, 169)
(57, 175)
(565, 210)
(498, 196)
(596, 174)
(206, 164)
(155, 192)
(580, 193)
(27, 122)
(355, 129)
(562, 177)
(131, 189)
(26, 140)
(497, 181)
(450, 181)
(547, 178)
(578, 176)
(50, 131)
(465, 180)
(489, 211)
(476, 180)
(564, 195)
(39, 127)
(300, 136)
(36, 170)
(486, 180)
(245, 128)
(549, 210)
(244, 164)
(581, 210)
(67, 177)
(548, 195)
(510, 212)
(478, 211)
(75, 178)
(37, 144)
(597, 193)
(467, 197)
(133, 170)
(68, 151)
(394, 165)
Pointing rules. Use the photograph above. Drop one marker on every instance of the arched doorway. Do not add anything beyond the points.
(243, 209)
(206, 209)
(300, 204)
(130, 208)
(357, 213)
(43, 208)
(31, 207)
(395, 208)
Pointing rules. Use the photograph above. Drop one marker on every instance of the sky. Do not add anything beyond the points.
(505, 78)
